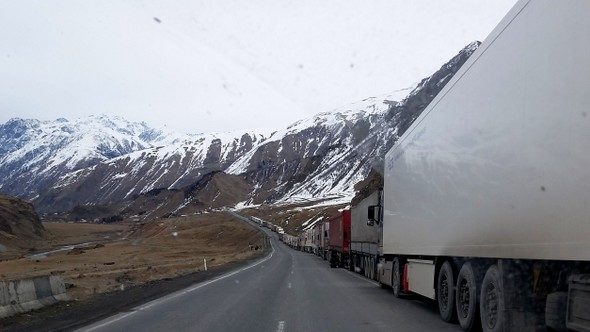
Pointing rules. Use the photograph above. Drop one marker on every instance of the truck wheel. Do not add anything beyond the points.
(491, 301)
(396, 278)
(380, 274)
(445, 292)
(332, 260)
(375, 268)
(555, 311)
(466, 298)
(362, 265)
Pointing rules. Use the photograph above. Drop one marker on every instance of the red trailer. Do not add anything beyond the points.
(339, 241)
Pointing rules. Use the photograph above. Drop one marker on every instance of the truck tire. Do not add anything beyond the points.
(555, 311)
(466, 298)
(375, 268)
(362, 261)
(491, 301)
(445, 292)
(380, 273)
(396, 278)
(333, 260)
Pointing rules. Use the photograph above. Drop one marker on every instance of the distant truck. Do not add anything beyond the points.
(290, 240)
(324, 239)
(308, 239)
(366, 239)
(316, 238)
(339, 239)
(487, 195)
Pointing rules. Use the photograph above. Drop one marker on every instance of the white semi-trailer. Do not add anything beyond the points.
(487, 195)
(324, 239)
(309, 243)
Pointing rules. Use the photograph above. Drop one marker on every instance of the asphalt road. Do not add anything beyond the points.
(287, 290)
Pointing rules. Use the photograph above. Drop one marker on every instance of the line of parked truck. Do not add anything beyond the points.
(347, 239)
(485, 206)
(263, 223)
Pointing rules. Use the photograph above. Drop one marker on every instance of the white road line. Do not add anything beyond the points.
(361, 277)
(289, 285)
(177, 294)
(281, 326)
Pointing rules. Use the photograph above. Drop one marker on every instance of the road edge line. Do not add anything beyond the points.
(166, 298)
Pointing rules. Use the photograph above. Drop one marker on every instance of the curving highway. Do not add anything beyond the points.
(285, 291)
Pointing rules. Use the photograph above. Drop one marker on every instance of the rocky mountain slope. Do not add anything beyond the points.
(325, 156)
(19, 223)
(212, 191)
(34, 154)
(171, 166)
(318, 158)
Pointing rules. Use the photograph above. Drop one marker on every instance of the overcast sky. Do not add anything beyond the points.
(201, 66)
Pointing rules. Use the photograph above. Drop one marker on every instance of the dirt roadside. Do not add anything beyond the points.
(60, 234)
(158, 263)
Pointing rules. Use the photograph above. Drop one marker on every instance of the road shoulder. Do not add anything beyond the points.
(70, 315)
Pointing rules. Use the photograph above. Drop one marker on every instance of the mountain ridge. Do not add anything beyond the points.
(317, 158)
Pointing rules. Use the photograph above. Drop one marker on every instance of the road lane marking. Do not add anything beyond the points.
(281, 326)
(289, 285)
(172, 296)
(358, 276)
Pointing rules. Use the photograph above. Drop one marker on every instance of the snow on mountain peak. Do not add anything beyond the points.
(47, 149)
(333, 121)
(102, 159)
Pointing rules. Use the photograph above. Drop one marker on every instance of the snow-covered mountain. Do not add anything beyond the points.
(326, 155)
(101, 160)
(171, 166)
(33, 154)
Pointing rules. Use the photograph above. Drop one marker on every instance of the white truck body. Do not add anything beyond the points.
(308, 240)
(365, 238)
(498, 165)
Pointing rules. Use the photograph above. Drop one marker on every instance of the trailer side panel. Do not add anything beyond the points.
(498, 165)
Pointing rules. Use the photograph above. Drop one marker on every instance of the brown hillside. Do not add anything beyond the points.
(214, 190)
(369, 185)
(18, 218)
(222, 190)
(20, 226)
